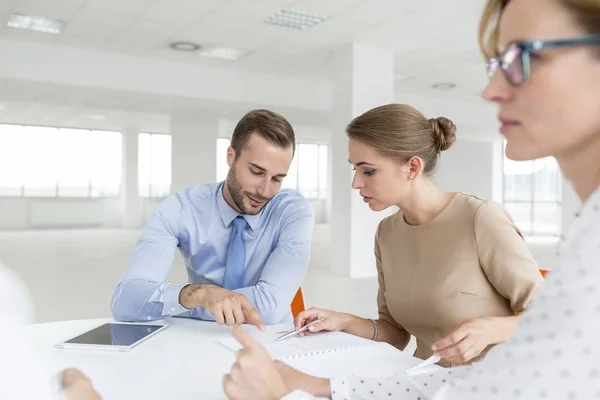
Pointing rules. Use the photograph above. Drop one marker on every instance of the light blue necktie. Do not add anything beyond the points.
(236, 257)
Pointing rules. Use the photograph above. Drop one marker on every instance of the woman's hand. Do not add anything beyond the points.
(77, 385)
(254, 374)
(296, 380)
(471, 338)
(334, 321)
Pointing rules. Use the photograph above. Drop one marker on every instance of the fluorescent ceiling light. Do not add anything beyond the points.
(295, 19)
(34, 23)
(225, 53)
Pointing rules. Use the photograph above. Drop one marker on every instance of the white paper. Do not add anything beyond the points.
(294, 347)
(424, 367)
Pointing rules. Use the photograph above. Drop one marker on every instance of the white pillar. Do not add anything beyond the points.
(364, 79)
(194, 149)
(132, 205)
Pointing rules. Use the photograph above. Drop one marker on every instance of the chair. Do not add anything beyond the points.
(298, 302)
(544, 272)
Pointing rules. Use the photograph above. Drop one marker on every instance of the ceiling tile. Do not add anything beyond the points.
(128, 48)
(132, 7)
(91, 29)
(8, 5)
(57, 9)
(99, 16)
(259, 36)
(245, 12)
(198, 5)
(81, 41)
(148, 32)
(327, 8)
(171, 13)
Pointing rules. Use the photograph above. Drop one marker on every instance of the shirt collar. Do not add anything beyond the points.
(228, 214)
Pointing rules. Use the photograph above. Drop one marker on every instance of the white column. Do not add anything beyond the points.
(194, 149)
(364, 79)
(132, 205)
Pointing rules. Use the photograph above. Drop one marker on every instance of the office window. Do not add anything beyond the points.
(307, 173)
(154, 165)
(56, 162)
(532, 195)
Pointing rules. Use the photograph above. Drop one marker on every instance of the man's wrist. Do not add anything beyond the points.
(192, 296)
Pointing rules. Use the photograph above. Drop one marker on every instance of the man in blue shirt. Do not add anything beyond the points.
(245, 242)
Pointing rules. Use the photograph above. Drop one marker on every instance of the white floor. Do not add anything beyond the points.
(71, 274)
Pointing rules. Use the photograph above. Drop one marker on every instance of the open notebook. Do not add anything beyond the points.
(328, 354)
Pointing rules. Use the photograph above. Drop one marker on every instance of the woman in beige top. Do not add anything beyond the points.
(453, 269)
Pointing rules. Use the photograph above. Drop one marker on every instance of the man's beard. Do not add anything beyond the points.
(237, 193)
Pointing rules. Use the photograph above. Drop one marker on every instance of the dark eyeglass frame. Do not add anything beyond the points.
(528, 47)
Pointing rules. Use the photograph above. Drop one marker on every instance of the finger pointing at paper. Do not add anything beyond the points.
(254, 374)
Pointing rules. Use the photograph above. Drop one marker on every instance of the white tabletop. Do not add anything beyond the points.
(184, 361)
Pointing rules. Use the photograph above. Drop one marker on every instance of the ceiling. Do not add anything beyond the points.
(433, 40)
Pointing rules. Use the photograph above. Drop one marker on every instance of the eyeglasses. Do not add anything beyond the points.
(515, 60)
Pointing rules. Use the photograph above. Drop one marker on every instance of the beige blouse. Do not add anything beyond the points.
(470, 261)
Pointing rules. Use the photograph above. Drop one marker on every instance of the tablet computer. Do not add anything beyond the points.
(113, 337)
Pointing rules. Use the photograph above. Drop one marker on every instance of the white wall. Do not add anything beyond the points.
(28, 213)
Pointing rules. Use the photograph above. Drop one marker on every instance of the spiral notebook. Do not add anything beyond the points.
(296, 347)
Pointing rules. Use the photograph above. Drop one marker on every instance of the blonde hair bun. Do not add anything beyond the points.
(444, 132)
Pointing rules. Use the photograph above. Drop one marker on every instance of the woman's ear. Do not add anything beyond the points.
(415, 165)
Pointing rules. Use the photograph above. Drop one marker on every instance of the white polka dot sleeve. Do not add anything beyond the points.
(400, 386)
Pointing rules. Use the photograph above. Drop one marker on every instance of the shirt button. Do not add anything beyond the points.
(172, 309)
(148, 318)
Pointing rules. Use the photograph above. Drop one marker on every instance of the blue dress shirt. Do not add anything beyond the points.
(198, 221)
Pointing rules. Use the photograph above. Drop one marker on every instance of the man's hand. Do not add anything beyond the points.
(229, 308)
(78, 386)
(254, 375)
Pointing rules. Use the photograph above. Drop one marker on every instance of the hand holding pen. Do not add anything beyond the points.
(318, 319)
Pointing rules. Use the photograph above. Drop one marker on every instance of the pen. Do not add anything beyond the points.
(294, 332)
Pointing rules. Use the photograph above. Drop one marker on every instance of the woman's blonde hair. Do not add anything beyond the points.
(585, 12)
(401, 132)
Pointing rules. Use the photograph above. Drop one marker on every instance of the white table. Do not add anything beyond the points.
(184, 362)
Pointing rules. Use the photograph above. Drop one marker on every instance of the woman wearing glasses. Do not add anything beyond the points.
(545, 78)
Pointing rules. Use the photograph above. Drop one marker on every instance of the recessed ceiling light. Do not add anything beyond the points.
(35, 23)
(225, 53)
(443, 85)
(295, 19)
(184, 46)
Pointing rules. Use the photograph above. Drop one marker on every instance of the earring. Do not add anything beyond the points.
(411, 177)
